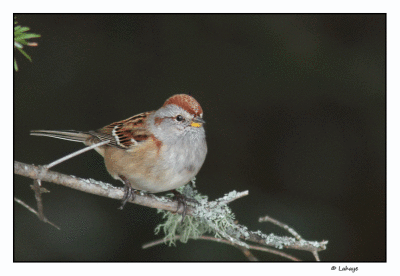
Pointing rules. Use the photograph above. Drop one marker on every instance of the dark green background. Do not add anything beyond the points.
(295, 111)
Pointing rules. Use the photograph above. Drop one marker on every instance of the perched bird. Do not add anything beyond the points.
(153, 151)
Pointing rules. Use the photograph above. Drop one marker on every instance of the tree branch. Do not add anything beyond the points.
(214, 216)
(35, 212)
(282, 225)
(244, 250)
(94, 187)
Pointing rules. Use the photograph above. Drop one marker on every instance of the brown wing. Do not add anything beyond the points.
(126, 133)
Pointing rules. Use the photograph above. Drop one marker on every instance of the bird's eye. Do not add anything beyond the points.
(179, 118)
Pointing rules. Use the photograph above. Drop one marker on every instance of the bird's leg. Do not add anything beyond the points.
(129, 192)
(181, 201)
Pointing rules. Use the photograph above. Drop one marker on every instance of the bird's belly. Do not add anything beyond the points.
(156, 174)
(161, 184)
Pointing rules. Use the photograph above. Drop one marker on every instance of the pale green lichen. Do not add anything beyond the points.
(216, 218)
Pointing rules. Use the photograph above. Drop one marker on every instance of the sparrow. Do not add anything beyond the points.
(153, 151)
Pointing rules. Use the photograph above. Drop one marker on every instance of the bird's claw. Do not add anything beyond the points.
(182, 201)
(128, 193)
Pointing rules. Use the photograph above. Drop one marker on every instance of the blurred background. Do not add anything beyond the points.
(295, 112)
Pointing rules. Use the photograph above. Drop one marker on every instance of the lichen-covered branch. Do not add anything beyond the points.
(93, 187)
(101, 188)
(204, 217)
(286, 242)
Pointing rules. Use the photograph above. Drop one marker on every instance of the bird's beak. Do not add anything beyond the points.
(197, 122)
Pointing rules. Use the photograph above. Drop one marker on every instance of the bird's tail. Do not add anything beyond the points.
(69, 135)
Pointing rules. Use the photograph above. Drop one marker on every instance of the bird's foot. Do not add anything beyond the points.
(182, 201)
(129, 192)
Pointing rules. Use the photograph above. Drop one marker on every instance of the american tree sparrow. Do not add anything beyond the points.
(153, 151)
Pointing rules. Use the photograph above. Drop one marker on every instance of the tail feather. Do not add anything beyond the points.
(69, 135)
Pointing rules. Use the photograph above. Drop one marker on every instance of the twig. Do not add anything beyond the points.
(228, 237)
(315, 253)
(280, 224)
(38, 197)
(285, 242)
(69, 156)
(37, 183)
(276, 252)
(290, 230)
(247, 253)
(34, 211)
(238, 195)
(208, 238)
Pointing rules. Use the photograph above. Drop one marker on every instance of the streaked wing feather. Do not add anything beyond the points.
(126, 133)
